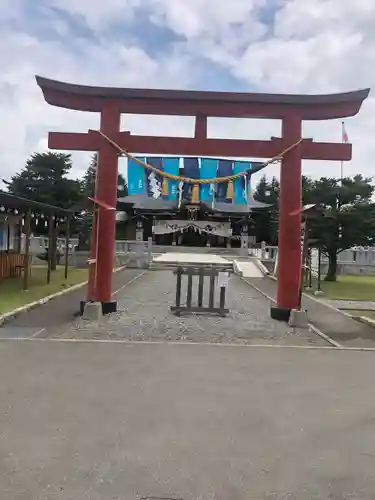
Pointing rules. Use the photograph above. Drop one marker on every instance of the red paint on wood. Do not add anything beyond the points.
(194, 103)
(213, 109)
(137, 144)
(106, 191)
(289, 254)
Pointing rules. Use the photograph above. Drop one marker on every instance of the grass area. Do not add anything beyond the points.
(349, 288)
(12, 295)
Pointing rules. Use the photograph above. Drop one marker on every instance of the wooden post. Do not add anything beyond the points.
(54, 244)
(67, 237)
(305, 248)
(50, 237)
(8, 236)
(319, 268)
(178, 287)
(26, 269)
(310, 268)
(211, 293)
(149, 250)
(200, 288)
(189, 289)
(19, 230)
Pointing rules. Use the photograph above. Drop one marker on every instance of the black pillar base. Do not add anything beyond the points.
(107, 307)
(280, 313)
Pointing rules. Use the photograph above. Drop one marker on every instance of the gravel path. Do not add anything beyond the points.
(144, 314)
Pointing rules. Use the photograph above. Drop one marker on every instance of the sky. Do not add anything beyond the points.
(276, 46)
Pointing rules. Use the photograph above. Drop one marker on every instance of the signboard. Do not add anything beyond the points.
(223, 280)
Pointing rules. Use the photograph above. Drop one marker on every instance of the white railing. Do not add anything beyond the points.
(263, 251)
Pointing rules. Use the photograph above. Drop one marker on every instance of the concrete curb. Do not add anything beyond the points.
(32, 305)
(365, 320)
(253, 260)
(262, 268)
(236, 269)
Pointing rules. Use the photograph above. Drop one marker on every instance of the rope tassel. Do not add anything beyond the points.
(195, 194)
(230, 190)
(165, 188)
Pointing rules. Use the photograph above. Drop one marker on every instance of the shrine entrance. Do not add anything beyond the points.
(191, 237)
(290, 149)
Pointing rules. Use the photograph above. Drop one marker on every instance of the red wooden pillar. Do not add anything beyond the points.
(106, 191)
(289, 254)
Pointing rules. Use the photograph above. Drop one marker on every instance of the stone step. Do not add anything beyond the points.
(248, 269)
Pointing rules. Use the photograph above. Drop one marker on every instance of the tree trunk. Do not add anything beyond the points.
(332, 266)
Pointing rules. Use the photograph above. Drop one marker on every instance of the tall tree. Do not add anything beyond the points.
(44, 179)
(88, 181)
(351, 214)
(266, 221)
(351, 211)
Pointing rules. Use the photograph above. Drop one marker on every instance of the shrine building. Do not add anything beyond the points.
(174, 218)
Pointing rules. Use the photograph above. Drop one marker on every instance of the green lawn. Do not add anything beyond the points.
(350, 288)
(12, 295)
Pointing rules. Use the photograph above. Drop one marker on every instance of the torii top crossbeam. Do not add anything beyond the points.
(292, 110)
(193, 103)
(201, 105)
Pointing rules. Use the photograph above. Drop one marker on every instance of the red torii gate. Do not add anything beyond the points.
(110, 102)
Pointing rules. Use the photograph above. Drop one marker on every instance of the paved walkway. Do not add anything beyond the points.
(343, 329)
(96, 421)
(56, 315)
(144, 314)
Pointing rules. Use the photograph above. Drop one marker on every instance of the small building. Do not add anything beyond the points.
(16, 216)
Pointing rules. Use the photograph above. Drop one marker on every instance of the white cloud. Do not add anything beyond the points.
(271, 46)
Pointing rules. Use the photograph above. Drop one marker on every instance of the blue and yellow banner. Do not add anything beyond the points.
(209, 168)
(225, 169)
(191, 169)
(142, 181)
(136, 177)
(154, 181)
(240, 184)
(172, 166)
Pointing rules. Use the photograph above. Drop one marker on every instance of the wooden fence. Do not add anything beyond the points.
(11, 264)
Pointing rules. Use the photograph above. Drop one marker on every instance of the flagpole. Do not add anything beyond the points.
(342, 162)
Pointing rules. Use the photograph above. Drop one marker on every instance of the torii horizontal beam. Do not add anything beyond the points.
(191, 146)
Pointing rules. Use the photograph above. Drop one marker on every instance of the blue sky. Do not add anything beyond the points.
(289, 46)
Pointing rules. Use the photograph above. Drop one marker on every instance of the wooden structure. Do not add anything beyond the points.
(203, 224)
(204, 271)
(308, 213)
(292, 110)
(15, 259)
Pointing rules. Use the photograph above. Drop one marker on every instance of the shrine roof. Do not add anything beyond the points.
(12, 202)
(146, 203)
(140, 202)
(235, 208)
(184, 102)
